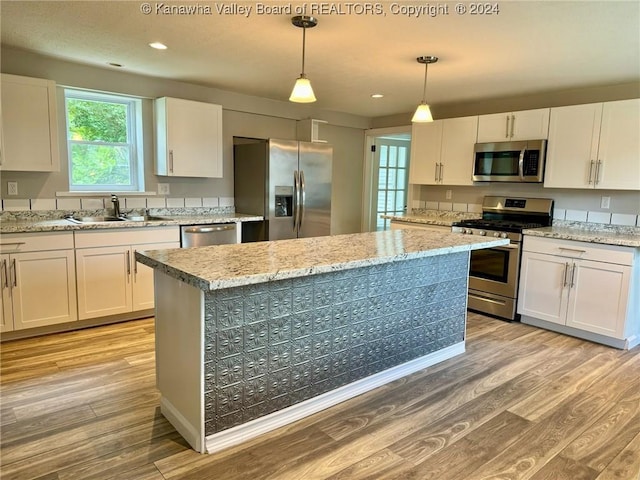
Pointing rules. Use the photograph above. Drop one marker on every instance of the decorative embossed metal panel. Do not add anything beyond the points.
(271, 345)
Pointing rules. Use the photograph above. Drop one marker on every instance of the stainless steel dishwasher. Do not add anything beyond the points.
(203, 235)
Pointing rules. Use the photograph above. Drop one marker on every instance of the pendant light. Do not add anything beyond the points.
(423, 112)
(302, 91)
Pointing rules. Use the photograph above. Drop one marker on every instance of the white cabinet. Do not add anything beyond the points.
(442, 151)
(580, 288)
(188, 138)
(523, 125)
(29, 130)
(110, 282)
(37, 273)
(426, 145)
(595, 146)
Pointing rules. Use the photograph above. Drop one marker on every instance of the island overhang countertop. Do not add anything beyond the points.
(227, 266)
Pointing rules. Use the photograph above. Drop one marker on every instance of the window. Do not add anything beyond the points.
(393, 165)
(103, 137)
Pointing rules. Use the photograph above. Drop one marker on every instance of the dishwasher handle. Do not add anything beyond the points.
(209, 228)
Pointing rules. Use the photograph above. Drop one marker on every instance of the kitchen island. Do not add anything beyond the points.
(250, 337)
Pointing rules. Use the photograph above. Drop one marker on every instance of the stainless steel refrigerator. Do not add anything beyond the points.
(286, 181)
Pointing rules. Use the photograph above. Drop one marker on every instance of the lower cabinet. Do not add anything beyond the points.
(110, 282)
(582, 288)
(38, 280)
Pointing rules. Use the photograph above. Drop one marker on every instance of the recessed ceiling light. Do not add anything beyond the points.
(377, 95)
(158, 46)
(113, 64)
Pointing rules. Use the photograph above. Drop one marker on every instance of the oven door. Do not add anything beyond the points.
(495, 270)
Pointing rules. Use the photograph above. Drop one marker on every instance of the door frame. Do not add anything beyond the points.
(395, 133)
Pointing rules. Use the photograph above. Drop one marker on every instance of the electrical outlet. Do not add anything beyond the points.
(163, 189)
(12, 188)
(448, 195)
(605, 202)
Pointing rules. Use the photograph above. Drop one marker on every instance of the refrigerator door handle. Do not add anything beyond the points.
(296, 204)
(303, 197)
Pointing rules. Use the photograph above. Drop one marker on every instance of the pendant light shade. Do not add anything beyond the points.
(423, 112)
(302, 91)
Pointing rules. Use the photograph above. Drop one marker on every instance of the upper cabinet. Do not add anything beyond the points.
(523, 125)
(29, 129)
(188, 138)
(442, 151)
(595, 146)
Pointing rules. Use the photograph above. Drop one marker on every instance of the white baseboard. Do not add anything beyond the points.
(241, 433)
(190, 433)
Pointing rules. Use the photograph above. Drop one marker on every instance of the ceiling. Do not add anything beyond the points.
(529, 47)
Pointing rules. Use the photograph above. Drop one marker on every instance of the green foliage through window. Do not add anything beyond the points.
(102, 147)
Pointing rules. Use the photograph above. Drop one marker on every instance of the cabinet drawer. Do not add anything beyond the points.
(126, 236)
(580, 250)
(35, 242)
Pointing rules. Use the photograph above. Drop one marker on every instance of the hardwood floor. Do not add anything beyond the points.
(521, 403)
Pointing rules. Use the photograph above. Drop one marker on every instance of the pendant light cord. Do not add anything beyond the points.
(304, 31)
(424, 92)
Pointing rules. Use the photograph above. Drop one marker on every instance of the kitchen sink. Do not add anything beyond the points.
(94, 219)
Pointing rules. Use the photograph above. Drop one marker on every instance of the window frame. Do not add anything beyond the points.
(134, 137)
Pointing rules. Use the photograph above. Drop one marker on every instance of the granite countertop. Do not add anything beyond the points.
(589, 232)
(60, 224)
(225, 266)
(433, 217)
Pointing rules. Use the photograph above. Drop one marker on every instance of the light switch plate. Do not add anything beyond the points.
(12, 188)
(605, 202)
(163, 189)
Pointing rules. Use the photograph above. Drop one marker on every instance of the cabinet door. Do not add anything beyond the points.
(189, 137)
(426, 145)
(104, 281)
(44, 288)
(29, 125)
(530, 124)
(573, 146)
(522, 125)
(143, 292)
(598, 298)
(542, 291)
(494, 128)
(458, 140)
(6, 321)
(619, 151)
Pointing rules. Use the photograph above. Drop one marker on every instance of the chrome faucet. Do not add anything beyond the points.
(116, 205)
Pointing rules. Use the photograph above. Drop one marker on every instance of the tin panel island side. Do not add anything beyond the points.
(250, 337)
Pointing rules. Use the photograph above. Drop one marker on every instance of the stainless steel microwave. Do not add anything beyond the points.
(509, 161)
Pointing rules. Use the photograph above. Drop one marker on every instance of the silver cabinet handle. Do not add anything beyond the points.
(573, 275)
(513, 125)
(590, 170)
(441, 172)
(596, 178)
(566, 270)
(128, 266)
(506, 131)
(576, 250)
(436, 176)
(5, 277)
(171, 161)
(14, 272)
(303, 197)
(135, 264)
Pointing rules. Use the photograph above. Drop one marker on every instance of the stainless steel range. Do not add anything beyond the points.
(493, 274)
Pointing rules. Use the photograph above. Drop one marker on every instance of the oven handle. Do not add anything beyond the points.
(487, 299)
(511, 246)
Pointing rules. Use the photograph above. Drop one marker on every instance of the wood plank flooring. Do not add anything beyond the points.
(521, 403)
